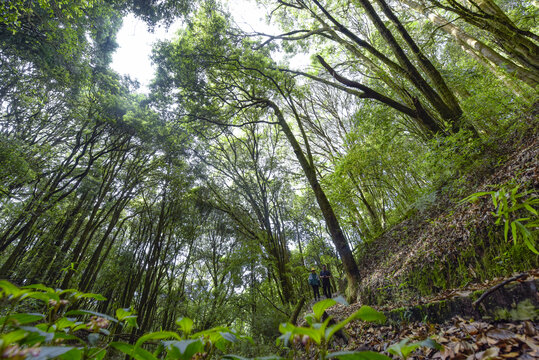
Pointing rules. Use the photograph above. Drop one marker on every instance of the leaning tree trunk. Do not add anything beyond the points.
(517, 43)
(477, 48)
(428, 68)
(341, 244)
(448, 113)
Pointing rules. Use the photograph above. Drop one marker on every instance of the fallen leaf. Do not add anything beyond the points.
(529, 329)
(500, 334)
(510, 355)
(488, 354)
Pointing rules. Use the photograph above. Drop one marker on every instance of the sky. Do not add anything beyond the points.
(135, 41)
(135, 46)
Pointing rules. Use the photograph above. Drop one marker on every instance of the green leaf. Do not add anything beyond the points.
(314, 334)
(137, 353)
(503, 197)
(76, 354)
(514, 192)
(367, 313)
(514, 230)
(185, 324)
(530, 209)
(184, 349)
(321, 306)
(475, 196)
(43, 335)
(159, 335)
(98, 297)
(131, 321)
(284, 338)
(528, 237)
(22, 318)
(494, 199)
(88, 312)
(228, 336)
(64, 322)
(39, 287)
(506, 230)
(402, 349)
(121, 314)
(310, 318)
(64, 336)
(357, 355)
(96, 354)
(45, 297)
(14, 336)
(431, 344)
(8, 288)
(51, 352)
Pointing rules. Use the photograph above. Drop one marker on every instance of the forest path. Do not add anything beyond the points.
(492, 320)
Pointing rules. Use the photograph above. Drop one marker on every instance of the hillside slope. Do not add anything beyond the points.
(428, 272)
(455, 244)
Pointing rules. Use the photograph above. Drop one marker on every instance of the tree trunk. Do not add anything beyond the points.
(475, 46)
(340, 242)
(517, 43)
(425, 64)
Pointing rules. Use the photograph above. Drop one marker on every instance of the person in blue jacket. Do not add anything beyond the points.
(314, 281)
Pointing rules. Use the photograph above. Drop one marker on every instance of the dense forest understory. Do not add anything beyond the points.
(392, 141)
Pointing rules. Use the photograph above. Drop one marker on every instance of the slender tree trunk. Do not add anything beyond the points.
(425, 64)
(340, 242)
(87, 275)
(476, 47)
(372, 213)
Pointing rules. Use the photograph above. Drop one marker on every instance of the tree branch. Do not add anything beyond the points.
(368, 92)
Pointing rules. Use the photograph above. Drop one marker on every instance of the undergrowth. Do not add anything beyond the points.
(62, 330)
(503, 242)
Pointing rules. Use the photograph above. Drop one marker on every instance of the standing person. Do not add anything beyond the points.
(314, 281)
(325, 275)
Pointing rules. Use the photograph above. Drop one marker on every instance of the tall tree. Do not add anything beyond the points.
(249, 162)
(214, 77)
(330, 23)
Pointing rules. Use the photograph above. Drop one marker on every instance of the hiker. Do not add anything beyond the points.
(314, 281)
(325, 275)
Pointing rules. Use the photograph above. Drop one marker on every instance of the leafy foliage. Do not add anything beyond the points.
(202, 200)
(509, 203)
(55, 334)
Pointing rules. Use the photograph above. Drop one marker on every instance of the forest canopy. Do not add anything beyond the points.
(212, 196)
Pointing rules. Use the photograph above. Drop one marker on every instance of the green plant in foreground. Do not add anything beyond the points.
(509, 203)
(59, 333)
(404, 348)
(82, 334)
(320, 333)
(54, 332)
